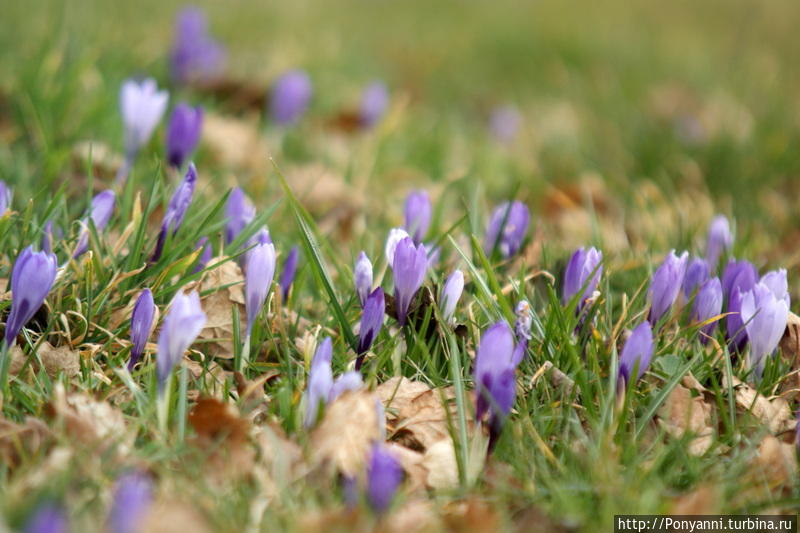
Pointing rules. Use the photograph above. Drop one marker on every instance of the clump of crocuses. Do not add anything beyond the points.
(183, 323)
(142, 105)
(636, 355)
(183, 133)
(666, 285)
(144, 312)
(409, 265)
(582, 275)
(371, 322)
(176, 210)
(100, 214)
(32, 278)
(290, 96)
(507, 228)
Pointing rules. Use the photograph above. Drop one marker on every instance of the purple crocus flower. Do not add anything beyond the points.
(205, 255)
(522, 329)
(384, 475)
(666, 284)
(371, 322)
(349, 381)
(374, 101)
(289, 271)
(507, 228)
(47, 518)
(258, 279)
(495, 383)
(183, 133)
(738, 278)
(417, 214)
(583, 265)
(320, 381)
(741, 274)
(32, 278)
(290, 97)
(183, 323)
(48, 239)
(195, 55)
(176, 209)
(409, 266)
(697, 273)
(638, 350)
(395, 235)
(504, 123)
(100, 214)
(5, 197)
(720, 240)
(777, 283)
(133, 496)
(362, 276)
(142, 105)
(144, 312)
(764, 314)
(451, 293)
(240, 212)
(707, 304)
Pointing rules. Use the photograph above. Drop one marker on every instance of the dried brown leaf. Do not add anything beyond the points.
(440, 462)
(235, 142)
(397, 394)
(56, 360)
(684, 414)
(224, 436)
(21, 441)
(702, 500)
(471, 516)
(227, 283)
(415, 516)
(775, 412)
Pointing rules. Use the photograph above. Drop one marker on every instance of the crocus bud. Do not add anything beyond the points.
(183, 133)
(349, 381)
(100, 213)
(451, 293)
(176, 209)
(738, 274)
(666, 284)
(504, 123)
(47, 518)
(47, 237)
(417, 214)
(289, 271)
(290, 97)
(195, 55)
(258, 279)
(395, 235)
(522, 329)
(697, 273)
(142, 105)
(371, 322)
(320, 381)
(409, 266)
(707, 304)
(133, 495)
(637, 352)
(738, 278)
(583, 273)
(764, 315)
(495, 387)
(183, 323)
(776, 281)
(362, 274)
(239, 211)
(5, 197)
(507, 228)
(205, 255)
(144, 311)
(384, 475)
(31, 280)
(720, 240)
(374, 101)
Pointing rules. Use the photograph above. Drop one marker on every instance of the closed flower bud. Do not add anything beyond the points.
(195, 55)
(395, 235)
(289, 271)
(183, 323)
(417, 215)
(636, 353)
(240, 212)
(142, 105)
(320, 381)
(183, 133)
(371, 322)
(697, 273)
(495, 382)
(290, 97)
(764, 315)
(258, 279)
(5, 198)
(100, 213)
(176, 209)
(133, 496)
(384, 475)
(374, 101)
(144, 311)
(362, 276)
(582, 275)
(738, 274)
(409, 267)
(32, 278)
(707, 304)
(720, 240)
(666, 284)
(507, 229)
(451, 293)
(205, 255)
(738, 278)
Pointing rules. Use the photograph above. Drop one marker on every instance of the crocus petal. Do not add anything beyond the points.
(290, 97)
(183, 323)
(362, 274)
(133, 496)
(451, 293)
(666, 284)
(320, 381)
(720, 240)
(32, 278)
(141, 325)
(417, 214)
(258, 279)
(384, 475)
(183, 133)
(638, 350)
(409, 267)
(507, 228)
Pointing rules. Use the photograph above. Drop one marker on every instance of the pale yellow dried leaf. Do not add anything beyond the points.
(775, 412)
(235, 142)
(397, 393)
(683, 414)
(440, 461)
(218, 307)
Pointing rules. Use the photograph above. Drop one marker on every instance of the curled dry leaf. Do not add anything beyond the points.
(684, 414)
(397, 394)
(790, 343)
(345, 436)
(775, 412)
(22, 441)
(776, 463)
(57, 360)
(224, 436)
(440, 462)
(227, 283)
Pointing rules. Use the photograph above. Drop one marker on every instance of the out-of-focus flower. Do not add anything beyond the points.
(582, 265)
(504, 123)
(144, 311)
(100, 214)
(195, 55)
(738, 274)
(409, 266)
(290, 97)
(764, 315)
(495, 387)
(48, 241)
(451, 293)
(707, 304)
(183, 133)
(720, 240)
(371, 322)
(507, 228)
(349, 381)
(384, 475)
(636, 353)
(777, 283)
(417, 215)
(362, 277)
(395, 235)
(697, 273)
(239, 211)
(522, 328)
(289, 271)
(666, 284)
(142, 105)
(205, 255)
(133, 495)
(374, 101)
(320, 381)
(183, 323)
(47, 518)
(258, 279)
(32, 278)
(738, 278)
(176, 209)
(5, 197)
